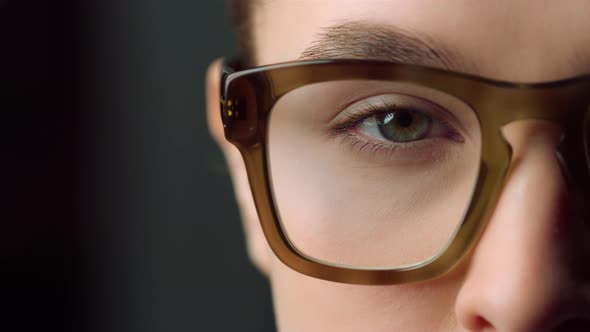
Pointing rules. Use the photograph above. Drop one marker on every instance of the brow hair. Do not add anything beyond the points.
(360, 40)
(354, 40)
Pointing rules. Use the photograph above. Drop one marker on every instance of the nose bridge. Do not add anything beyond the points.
(540, 245)
(544, 244)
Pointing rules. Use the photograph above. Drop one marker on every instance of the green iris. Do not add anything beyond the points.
(403, 125)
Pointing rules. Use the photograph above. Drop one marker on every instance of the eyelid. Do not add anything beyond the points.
(437, 129)
(451, 109)
(383, 103)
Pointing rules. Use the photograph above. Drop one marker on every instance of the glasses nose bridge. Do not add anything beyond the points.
(551, 107)
(565, 108)
(558, 102)
(569, 111)
(529, 104)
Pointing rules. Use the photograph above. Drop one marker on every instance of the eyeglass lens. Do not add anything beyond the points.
(371, 173)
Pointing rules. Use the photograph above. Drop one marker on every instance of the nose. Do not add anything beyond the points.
(525, 273)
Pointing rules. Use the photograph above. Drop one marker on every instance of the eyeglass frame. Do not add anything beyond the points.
(248, 97)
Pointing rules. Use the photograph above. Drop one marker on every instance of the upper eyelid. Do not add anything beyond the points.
(365, 108)
(443, 113)
(359, 111)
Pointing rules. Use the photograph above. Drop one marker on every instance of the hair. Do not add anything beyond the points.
(242, 19)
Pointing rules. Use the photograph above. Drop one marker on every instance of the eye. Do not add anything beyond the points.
(400, 127)
(397, 126)
(402, 122)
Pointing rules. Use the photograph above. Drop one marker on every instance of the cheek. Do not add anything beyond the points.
(307, 304)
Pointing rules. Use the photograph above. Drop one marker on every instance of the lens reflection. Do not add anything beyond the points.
(371, 173)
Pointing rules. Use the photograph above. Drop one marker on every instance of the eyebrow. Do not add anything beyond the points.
(359, 40)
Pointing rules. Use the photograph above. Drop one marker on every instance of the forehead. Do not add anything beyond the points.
(516, 40)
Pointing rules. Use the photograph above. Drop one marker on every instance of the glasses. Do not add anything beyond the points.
(369, 172)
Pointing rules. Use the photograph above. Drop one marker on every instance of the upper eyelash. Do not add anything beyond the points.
(355, 119)
(370, 110)
(343, 130)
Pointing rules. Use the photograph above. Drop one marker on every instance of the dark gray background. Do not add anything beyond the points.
(118, 211)
(178, 259)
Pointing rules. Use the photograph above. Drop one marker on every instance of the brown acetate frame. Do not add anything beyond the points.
(247, 98)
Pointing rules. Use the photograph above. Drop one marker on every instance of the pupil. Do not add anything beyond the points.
(404, 119)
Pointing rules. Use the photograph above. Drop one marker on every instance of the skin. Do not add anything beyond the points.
(523, 274)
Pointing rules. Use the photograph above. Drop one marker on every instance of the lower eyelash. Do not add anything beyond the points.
(364, 145)
(385, 152)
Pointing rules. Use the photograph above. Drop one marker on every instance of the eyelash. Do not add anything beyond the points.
(345, 132)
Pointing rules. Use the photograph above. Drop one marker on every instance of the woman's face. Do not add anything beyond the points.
(524, 273)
